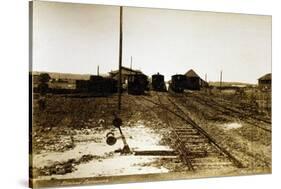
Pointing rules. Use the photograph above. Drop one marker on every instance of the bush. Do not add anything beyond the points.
(44, 77)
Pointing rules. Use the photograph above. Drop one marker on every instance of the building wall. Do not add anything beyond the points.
(265, 83)
(193, 83)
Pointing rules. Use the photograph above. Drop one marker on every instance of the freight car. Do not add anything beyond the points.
(178, 83)
(110, 85)
(137, 84)
(97, 84)
(102, 85)
(82, 86)
(158, 83)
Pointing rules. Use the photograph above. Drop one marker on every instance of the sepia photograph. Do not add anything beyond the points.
(122, 94)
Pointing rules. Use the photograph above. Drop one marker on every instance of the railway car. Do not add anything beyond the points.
(82, 85)
(110, 85)
(178, 83)
(98, 85)
(158, 83)
(137, 84)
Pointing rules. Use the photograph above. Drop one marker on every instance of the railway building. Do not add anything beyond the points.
(265, 81)
(126, 72)
(192, 80)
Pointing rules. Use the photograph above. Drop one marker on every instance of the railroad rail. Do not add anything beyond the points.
(197, 149)
(233, 111)
(184, 152)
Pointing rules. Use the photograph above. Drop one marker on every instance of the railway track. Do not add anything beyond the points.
(197, 149)
(234, 108)
(179, 144)
(248, 118)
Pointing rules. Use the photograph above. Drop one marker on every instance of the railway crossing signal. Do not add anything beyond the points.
(117, 122)
(111, 139)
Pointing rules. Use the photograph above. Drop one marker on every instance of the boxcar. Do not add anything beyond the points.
(97, 84)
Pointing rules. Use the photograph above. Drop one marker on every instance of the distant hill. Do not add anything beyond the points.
(70, 76)
(230, 84)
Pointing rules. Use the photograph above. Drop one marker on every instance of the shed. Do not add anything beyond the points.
(265, 81)
(193, 81)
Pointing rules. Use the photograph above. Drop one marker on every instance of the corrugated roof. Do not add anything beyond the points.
(191, 73)
(266, 77)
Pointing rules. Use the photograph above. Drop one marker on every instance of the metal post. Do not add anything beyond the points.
(126, 149)
(120, 60)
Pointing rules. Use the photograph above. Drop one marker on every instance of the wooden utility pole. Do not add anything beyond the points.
(126, 148)
(120, 59)
(98, 70)
(221, 79)
(131, 63)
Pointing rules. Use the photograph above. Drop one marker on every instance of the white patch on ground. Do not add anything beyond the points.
(138, 137)
(113, 166)
(234, 125)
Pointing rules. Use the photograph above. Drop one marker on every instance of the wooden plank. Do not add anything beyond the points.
(155, 153)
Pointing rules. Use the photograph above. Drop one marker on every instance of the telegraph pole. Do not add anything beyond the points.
(117, 122)
(120, 59)
(221, 79)
(205, 84)
(131, 63)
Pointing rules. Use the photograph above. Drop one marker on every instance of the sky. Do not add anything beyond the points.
(76, 38)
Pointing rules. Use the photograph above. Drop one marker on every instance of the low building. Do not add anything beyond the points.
(193, 81)
(125, 73)
(265, 81)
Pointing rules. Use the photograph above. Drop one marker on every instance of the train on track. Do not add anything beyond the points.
(178, 83)
(137, 84)
(97, 84)
(158, 83)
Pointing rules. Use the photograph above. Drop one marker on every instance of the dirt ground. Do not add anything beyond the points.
(69, 135)
(236, 126)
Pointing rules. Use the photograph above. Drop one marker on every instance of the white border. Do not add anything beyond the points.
(14, 90)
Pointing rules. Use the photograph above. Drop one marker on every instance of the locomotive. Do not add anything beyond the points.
(178, 83)
(137, 84)
(158, 83)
